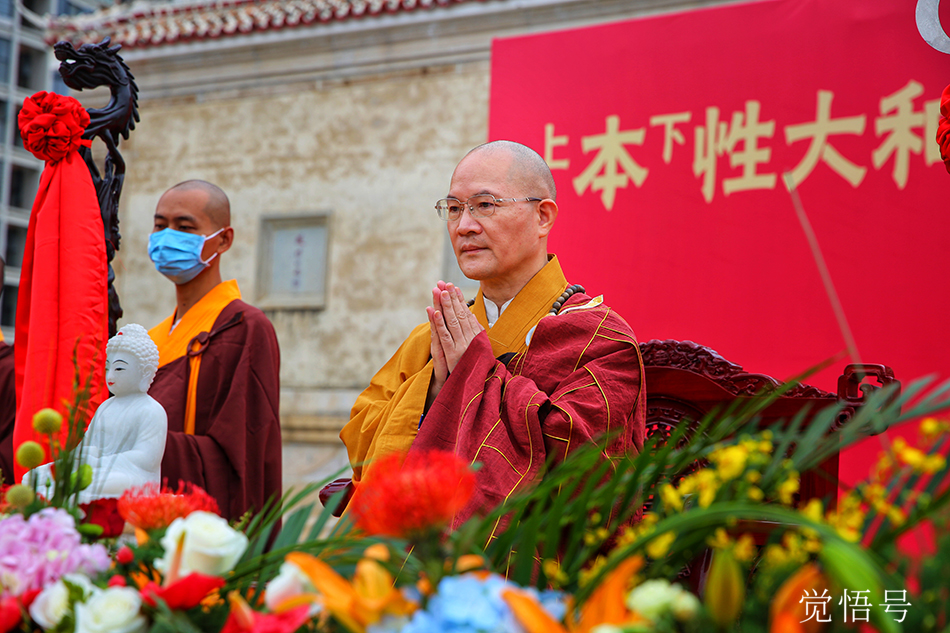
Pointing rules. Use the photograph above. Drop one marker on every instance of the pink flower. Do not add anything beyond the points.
(37, 551)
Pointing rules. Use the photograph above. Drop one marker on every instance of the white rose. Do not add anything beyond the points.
(211, 546)
(113, 610)
(289, 582)
(685, 606)
(52, 603)
(653, 598)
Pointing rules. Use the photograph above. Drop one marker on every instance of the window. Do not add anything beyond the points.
(31, 70)
(292, 270)
(8, 306)
(23, 183)
(16, 245)
(5, 51)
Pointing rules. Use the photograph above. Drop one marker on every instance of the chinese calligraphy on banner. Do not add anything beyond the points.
(670, 137)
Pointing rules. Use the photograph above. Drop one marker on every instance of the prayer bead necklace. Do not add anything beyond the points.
(564, 297)
(560, 300)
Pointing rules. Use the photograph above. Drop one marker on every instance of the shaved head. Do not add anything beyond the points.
(217, 207)
(528, 170)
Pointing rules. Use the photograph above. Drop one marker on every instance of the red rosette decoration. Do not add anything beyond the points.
(52, 125)
(943, 128)
(412, 495)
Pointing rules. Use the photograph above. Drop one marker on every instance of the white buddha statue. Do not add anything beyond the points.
(125, 441)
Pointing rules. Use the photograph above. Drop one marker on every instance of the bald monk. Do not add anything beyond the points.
(533, 369)
(218, 359)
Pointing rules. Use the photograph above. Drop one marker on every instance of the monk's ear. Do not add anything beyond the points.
(547, 214)
(227, 239)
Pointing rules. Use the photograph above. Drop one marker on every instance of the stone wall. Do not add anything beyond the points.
(362, 120)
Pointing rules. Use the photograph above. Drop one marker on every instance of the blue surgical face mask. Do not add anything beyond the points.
(177, 254)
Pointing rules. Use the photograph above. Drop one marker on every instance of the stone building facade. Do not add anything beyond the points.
(335, 118)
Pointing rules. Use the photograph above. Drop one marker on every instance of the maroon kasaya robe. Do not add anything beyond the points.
(235, 452)
(7, 411)
(581, 377)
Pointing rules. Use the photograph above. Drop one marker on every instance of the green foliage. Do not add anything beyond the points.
(585, 505)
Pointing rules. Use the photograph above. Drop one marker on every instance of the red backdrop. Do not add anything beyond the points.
(692, 235)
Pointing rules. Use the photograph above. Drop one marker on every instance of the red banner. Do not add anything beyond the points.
(671, 139)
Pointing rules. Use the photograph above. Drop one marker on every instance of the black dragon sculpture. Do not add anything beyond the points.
(85, 68)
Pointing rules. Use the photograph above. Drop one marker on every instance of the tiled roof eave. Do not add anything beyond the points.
(143, 25)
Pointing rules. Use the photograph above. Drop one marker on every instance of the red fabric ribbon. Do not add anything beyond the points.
(62, 314)
(943, 128)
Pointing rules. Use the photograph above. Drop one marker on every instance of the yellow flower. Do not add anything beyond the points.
(704, 481)
(755, 493)
(744, 549)
(19, 496)
(719, 539)
(933, 464)
(896, 516)
(753, 476)
(813, 510)
(931, 429)
(671, 497)
(552, 569)
(911, 456)
(730, 461)
(30, 454)
(659, 546)
(47, 421)
(788, 488)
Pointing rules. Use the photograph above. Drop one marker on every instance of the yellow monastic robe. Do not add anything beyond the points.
(386, 416)
(173, 343)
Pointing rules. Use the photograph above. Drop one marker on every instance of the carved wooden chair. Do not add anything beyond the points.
(685, 381)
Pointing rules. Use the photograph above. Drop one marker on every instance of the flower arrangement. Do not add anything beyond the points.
(576, 556)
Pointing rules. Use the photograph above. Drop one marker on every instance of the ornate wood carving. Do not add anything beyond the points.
(689, 356)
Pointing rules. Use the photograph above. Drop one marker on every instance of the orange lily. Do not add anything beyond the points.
(606, 605)
(355, 605)
(787, 604)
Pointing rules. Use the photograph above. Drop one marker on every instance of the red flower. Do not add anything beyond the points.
(148, 508)
(10, 614)
(943, 128)
(408, 497)
(243, 619)
(12, 607)
(104, 512)
(52, 125)
(183, 594)
(125, 555)
(117, 581)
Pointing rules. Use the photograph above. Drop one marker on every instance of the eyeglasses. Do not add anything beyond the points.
(480, 206)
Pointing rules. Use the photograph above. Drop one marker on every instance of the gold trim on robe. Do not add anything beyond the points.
(173, 344)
